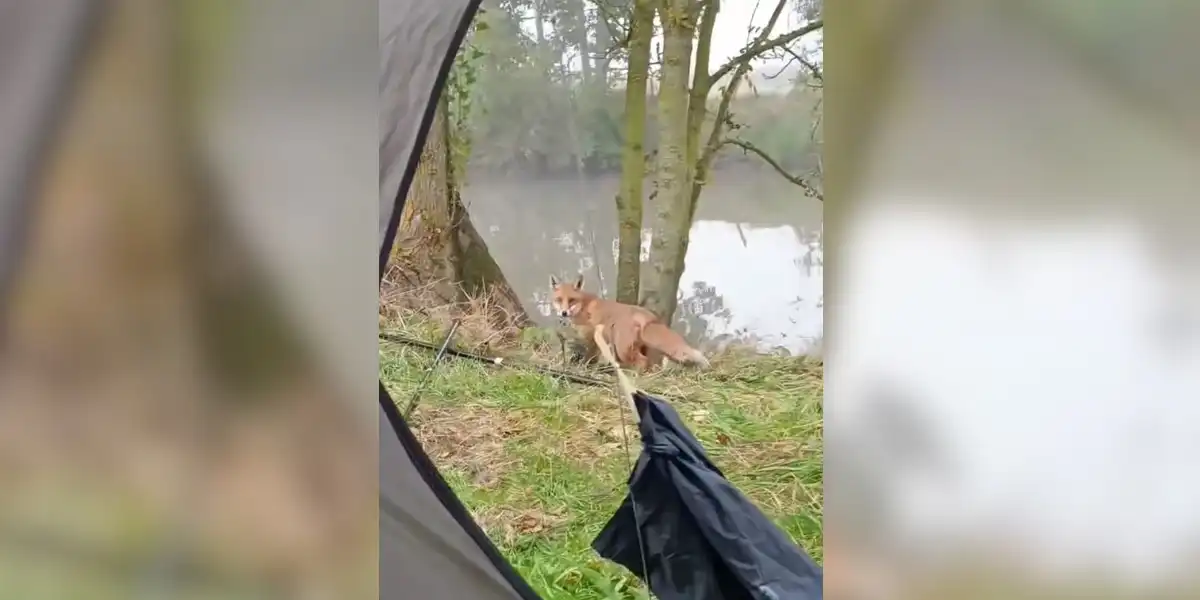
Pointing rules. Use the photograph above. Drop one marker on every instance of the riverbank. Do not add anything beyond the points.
(542, 462)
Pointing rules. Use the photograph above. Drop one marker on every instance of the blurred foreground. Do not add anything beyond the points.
(1012, 349)
(165, 428)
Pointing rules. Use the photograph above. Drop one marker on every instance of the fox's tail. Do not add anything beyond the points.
(662, 338)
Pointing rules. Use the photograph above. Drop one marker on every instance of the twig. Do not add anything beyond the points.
(412, 402)
(748, 147)
(812, 67)
(784, 68)
(596, 255)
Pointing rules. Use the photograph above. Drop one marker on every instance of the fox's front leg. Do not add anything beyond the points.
(562, 343)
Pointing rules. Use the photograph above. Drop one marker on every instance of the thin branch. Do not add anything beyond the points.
(809, 190)
(764, 45)
(812, 67)
(713, 142)
(787, 65)
(753, 15)
(618, 36)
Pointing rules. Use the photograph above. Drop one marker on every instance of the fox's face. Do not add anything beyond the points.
(566, 298)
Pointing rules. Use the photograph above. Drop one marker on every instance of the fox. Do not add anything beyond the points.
(640, 339)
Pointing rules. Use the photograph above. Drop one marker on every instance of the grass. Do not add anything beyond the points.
(542, 463)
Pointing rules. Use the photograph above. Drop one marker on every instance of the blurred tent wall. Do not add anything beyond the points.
(162, 413)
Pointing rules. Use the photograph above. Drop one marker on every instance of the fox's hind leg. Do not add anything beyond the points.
(655, 360)
(628, 348)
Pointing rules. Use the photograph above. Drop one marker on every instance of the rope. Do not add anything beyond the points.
(627, 390)
(623, 383)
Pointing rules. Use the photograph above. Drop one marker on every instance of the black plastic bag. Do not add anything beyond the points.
(703, 539)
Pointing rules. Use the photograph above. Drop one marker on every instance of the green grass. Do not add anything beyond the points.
(542, 463)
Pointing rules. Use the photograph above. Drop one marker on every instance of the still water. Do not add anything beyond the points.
(753, 270)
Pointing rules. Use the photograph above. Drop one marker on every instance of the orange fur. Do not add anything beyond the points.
(639, 338)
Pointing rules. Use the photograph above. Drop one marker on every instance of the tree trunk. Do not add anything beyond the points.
(581, 40)
(438, 248)
(668, 247)
(426, 252)
(106, 267)
(700, 159)
(478, 273)
(539, 25)
(698, 103)
(604, 44)
(633, 160)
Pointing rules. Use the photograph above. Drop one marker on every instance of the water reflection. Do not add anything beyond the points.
(753, 270)
(766, 280)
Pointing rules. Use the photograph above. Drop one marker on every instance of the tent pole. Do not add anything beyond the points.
(416, 397)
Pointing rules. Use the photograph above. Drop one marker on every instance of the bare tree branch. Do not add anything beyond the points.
(787, 65)
(610, 19)
(713, 142)
(809, 190)
(812, 67)
(763, 45)
(740, 69)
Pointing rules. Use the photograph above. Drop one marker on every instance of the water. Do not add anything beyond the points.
(1026, 286)
(753, 271)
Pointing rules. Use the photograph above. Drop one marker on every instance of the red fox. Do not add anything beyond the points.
(640, 339)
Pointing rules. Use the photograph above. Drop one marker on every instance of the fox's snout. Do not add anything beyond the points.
(563, 308)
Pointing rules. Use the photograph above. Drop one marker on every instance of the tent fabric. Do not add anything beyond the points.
(703, 539)
(429, 546)
(417, 43)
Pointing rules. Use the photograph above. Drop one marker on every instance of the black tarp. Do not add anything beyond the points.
(703, 539)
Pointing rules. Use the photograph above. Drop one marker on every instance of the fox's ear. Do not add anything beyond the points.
(579, 282)
(553, 281)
